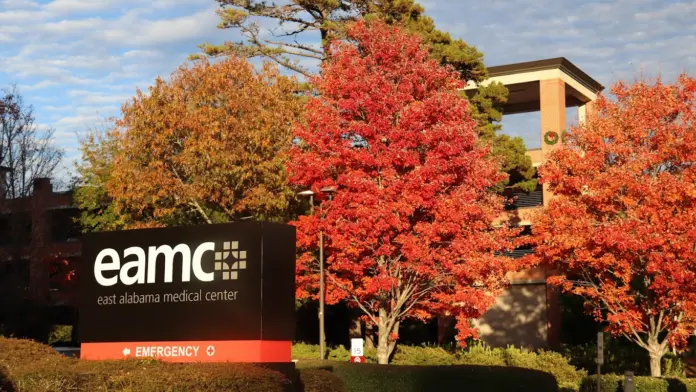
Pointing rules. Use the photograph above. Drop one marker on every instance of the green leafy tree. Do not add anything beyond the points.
(98, 148)
(288, 43)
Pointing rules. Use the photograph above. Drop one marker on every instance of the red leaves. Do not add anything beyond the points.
(59, 269)
(408, 231)
(621, 224)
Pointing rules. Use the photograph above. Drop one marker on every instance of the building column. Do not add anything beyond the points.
(584, 111)
(552, 105)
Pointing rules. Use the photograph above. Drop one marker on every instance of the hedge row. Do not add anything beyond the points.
(566, 375)
(614, 383)
(464, 378)
(619, 357)
(29, 366)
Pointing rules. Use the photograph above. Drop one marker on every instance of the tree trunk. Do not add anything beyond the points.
(384, 331)
(444, 329)
(355, 329)
(369, 335)
(656, 352)
(383, 346)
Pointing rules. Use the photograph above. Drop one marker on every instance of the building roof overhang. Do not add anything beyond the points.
(522, 81)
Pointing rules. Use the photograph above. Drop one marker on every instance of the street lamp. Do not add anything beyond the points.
(322, 332)
(311, 200)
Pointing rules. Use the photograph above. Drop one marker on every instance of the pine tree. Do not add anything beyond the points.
(287, 44)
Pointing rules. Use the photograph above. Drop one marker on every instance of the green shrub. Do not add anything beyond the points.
(339, 353)
(60, 334)
(673, 366)
(311, 351)
(305, 351)
(463, 378)
(614, 383)
(566, 374)
(608, 383)
(620, 356)
(319, 380)
(480, 354)
(31, 367)
(414, 355)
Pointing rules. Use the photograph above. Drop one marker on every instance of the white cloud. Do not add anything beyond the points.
(18, 4)
(20, 17)
(141, 54)
(37, 86)
(98, 110)
(77, 123)
(158, 32)
(68, 27)
(52, 108)
(97, 97)
(69, 7)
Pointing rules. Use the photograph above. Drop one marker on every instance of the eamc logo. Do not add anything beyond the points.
(228, 261)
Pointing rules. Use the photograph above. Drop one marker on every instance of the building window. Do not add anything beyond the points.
(521, 251)
(64, 224)
(15, 229)
(522, 199)
(5, 230)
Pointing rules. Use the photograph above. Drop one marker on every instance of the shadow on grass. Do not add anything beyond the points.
(676, 385)
(6, 385)
(402, 378)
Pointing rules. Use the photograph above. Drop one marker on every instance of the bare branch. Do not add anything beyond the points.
(28, 151)
(357, 301)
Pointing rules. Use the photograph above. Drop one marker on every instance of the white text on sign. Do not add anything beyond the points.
(167, 351)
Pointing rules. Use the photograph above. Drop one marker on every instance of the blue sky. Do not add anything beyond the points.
(77, 61)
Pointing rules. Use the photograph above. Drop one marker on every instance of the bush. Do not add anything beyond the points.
(614, 383)
(620, 356)
(413, 355)
(319, 380)
(567, 376)
(406, 378)
(305, 351)
(60, 334)
(31, 366)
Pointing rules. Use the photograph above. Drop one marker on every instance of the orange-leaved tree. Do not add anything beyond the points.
(622, 222)
(207, 146)
(409, 231)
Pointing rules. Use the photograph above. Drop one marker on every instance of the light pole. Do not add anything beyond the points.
(322, 332)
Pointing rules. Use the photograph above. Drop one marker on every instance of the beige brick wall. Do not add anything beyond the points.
(552, 105)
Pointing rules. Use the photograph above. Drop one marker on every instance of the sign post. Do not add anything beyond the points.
(211, 293)
(600, 359)
(629, 385)
(357, 354)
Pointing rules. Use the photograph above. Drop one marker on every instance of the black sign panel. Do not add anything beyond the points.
(212, 282)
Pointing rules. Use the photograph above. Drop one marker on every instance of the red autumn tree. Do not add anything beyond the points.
(408, 232)
(622, 223)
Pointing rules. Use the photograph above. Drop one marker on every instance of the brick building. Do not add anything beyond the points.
(34, 230)
(529, 313)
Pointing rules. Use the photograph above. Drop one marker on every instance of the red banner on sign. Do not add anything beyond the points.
(192, 351)
(355, 359)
